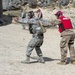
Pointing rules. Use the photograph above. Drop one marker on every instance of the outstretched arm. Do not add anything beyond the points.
(55, 22)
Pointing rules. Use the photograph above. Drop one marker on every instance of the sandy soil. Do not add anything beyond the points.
(13, 44)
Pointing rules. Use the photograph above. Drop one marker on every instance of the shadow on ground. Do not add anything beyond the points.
(47, 59)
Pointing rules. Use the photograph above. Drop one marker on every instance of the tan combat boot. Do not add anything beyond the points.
(73, 62)
(41, 60)
(62, 63)
(27, 61)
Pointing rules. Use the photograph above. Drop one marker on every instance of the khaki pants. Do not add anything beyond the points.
(67, 42)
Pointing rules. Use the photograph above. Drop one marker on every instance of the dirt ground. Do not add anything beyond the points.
(13, 44)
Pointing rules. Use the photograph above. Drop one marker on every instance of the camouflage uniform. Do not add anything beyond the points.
(37, 37)
(36, 41)
(67, 41)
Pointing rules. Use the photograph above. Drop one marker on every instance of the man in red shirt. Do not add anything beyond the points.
(67, 41)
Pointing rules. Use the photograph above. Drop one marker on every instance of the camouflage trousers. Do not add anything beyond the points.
(35, 43)
(67, 43)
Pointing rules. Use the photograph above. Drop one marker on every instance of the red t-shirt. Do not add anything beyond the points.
(65, 24)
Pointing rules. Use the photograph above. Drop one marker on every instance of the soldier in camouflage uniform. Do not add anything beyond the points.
(68, 35)
(37, 38)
